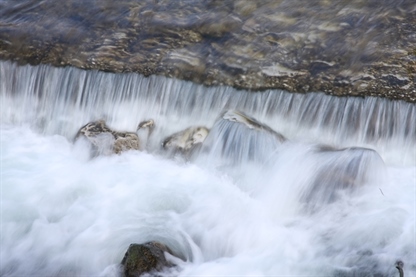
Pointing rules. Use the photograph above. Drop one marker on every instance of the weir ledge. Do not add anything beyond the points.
(343, 48)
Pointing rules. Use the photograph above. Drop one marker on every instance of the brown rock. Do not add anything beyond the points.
(145, 258)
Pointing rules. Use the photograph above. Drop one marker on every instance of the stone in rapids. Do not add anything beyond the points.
(107, 141)
(251, 123)
(145, 258)
(186, 140)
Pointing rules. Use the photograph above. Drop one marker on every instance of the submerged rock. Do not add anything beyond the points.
(145, 258)
(251, 123)
(399, 265)
(236, 137)
(365, 262)
(354, 48)
(340, 170)
(107, 141)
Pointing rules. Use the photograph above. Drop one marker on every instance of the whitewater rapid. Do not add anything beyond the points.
(65, 214)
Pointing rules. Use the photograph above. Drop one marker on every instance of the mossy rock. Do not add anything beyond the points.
(145, 258)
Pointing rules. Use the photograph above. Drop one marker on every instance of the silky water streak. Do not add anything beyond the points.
(283, 184)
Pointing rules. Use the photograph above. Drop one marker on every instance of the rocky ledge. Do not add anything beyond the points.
(340, 47)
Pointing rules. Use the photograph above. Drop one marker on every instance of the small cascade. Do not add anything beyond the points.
(333, 171)
(61, 100)
(236, 138)
(237, 182)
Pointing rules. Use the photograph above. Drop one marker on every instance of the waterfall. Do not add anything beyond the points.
(284, 183)
(73, 97)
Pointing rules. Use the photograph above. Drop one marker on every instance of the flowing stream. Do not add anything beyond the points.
(336, 197)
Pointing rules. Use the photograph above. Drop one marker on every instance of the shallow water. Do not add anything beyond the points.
(65, 213)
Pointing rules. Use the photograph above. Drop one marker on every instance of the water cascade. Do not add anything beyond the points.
(283, 183)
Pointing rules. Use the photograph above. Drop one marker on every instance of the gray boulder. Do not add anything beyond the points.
(186, 140)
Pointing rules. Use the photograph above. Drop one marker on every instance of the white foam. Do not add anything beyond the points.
(63, 213)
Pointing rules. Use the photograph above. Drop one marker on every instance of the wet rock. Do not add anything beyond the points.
(125, 141)
(185, 61)
(145, 258)
(99, 135)
(399, 265)
(236, 137)
(366, 263)
(185, 141)
(292, 45)
(107, 141)
(218, 24)
(340, 170)
(251, 123)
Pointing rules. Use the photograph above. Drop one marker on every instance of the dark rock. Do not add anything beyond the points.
(145, 258)
(399, 265)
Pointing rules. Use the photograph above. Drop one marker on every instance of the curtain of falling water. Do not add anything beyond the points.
(60, 100)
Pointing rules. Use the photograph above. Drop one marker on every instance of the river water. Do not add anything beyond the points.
(245, 205)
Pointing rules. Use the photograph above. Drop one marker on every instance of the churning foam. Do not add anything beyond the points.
(271, 211)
